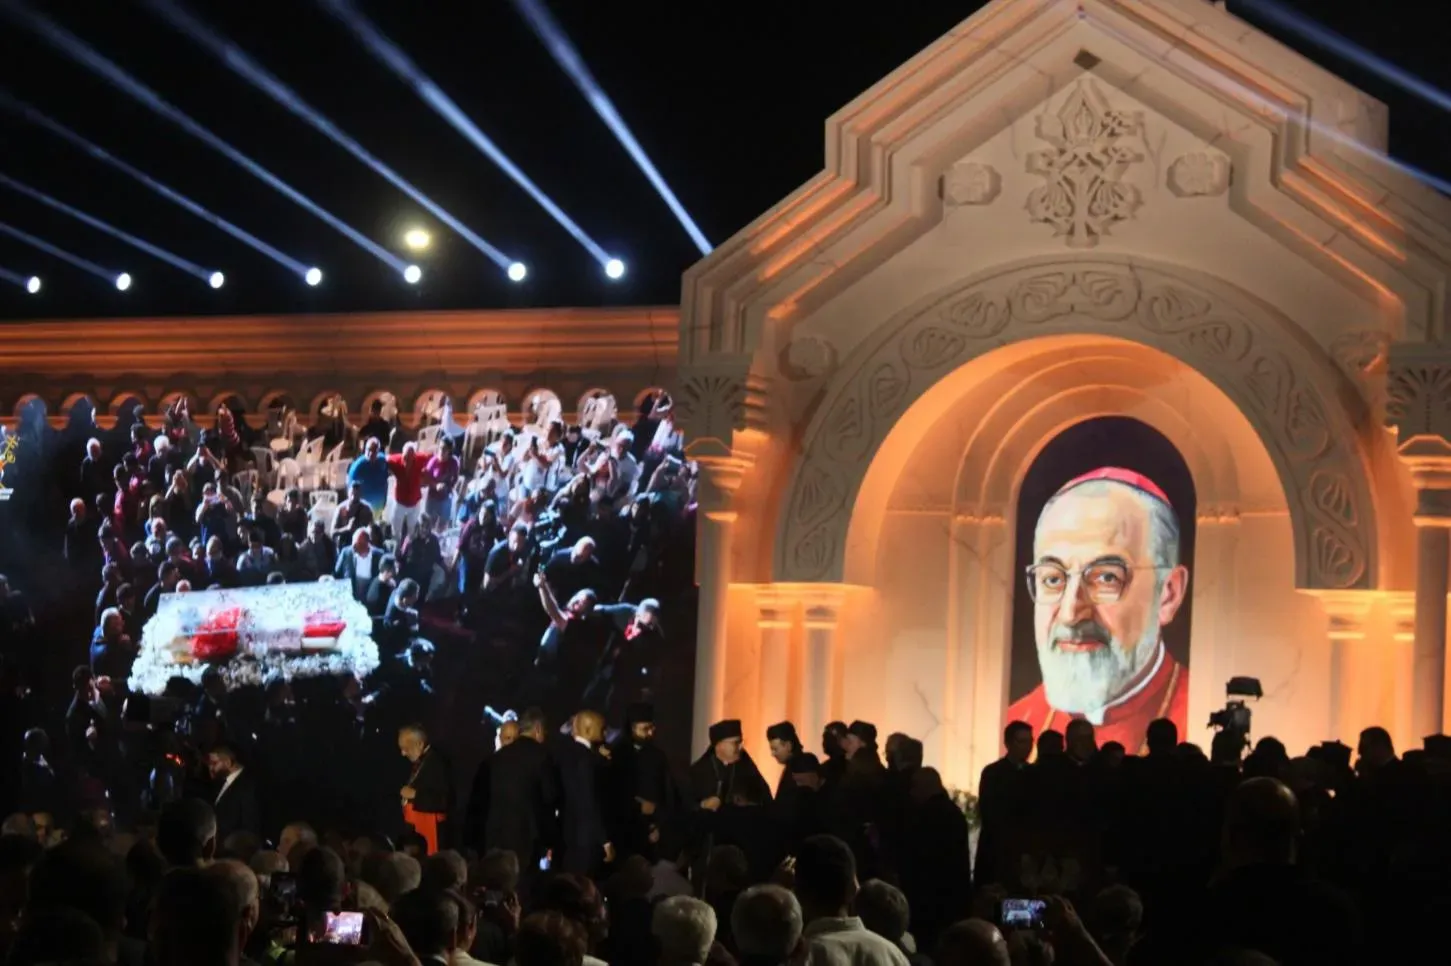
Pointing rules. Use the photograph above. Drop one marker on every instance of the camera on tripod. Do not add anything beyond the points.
(1234, 717)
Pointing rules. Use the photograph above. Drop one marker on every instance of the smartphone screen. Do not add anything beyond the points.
(1023, 913)
(344, 929)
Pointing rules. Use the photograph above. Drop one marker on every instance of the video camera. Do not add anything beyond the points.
(1234, 717)
(545, 536)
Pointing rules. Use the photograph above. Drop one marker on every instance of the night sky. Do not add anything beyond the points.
(728, 99)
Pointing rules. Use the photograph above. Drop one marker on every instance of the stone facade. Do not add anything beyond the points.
(568, 362)
(1056, 212)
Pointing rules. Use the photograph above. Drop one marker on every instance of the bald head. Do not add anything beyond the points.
(1262, 822)
(589, 725)
(972, 942)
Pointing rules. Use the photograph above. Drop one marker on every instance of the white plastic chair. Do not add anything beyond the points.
(323, 506)
(289, 474)
(265, 463)
(245, 481)
(430, 439)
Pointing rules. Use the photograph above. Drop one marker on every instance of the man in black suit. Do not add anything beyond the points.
(236, 802)
(1002, 799)
(523, 795)
(584, 845)
(359, 564)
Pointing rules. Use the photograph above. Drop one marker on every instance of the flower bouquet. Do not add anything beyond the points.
(251, 634)
(966, 801)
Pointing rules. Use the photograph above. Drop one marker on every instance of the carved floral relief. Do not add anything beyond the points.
(971, 183)
(1084, 193)
(1199, 173)
(1248, 356)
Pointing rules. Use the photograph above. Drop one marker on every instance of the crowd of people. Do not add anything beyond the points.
(534, 576)
(576, 848)
(318, 820)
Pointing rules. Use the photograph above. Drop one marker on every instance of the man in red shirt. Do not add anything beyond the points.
(1105, 579)
(407, 468)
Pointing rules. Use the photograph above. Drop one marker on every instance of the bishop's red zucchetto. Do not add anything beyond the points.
(1117, 474)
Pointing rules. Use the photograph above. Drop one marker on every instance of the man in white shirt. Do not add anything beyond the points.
(359, 564)
(826, 884)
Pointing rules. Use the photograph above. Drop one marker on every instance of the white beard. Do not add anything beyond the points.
(1087, 682)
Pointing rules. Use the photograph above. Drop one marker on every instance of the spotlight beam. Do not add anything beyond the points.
(393, 57)
(155, 251)
(78, 51)
(1323, 129)
(36, 117)
(1329, 40)
(567, 56)
(259, 77)
(15, 278)
(40, 244)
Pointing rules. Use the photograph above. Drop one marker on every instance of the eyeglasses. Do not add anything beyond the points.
(1103, 581)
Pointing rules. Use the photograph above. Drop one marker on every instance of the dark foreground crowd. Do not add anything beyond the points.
(579, 846)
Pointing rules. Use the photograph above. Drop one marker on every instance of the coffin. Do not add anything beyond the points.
(253, 634)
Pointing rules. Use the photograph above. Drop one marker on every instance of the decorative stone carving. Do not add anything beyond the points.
(711, 405)
(1199, 174)
(807, 357)
(1418, 392)
(1231, 340)
(971, 183)
(1084, 193)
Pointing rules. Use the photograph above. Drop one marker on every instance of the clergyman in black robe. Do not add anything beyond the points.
(645, 800)
(795, 808)
(729, 791)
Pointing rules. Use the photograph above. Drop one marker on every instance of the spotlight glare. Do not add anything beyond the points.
(216, 280)
(615, 268)
(517, 271)
(123, 281)
(417, 239)
(412, 274)
(32, 284)
(312, 276)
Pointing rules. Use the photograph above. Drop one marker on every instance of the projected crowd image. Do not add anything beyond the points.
(1101, 618)
(286, 581)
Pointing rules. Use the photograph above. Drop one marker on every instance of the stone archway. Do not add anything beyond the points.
(1283, 383)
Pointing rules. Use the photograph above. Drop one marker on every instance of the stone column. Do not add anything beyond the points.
(1418, 405)
(1428, 689)
(775, 618)
(1347, 611)
(720, 477)
(820, 696)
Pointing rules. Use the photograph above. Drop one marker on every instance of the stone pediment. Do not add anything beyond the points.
(1292, 151)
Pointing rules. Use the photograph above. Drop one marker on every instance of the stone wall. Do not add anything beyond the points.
(572, 361)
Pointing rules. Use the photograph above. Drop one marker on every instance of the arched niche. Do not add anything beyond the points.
(920, 361)
(385, 400)
(276, 399)
(80, 413)
(934, 527)
(489, 409)
(541, 407)
(319, 403)
(127, 408)
(596, 412)
(645, 398)
(429, 405)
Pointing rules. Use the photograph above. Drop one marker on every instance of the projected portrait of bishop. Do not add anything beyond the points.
(1105, 579)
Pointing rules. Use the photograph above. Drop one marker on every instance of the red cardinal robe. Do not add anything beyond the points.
(1165, 695)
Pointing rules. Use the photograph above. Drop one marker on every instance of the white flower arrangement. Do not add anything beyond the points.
(268, 625)
(967, 802)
